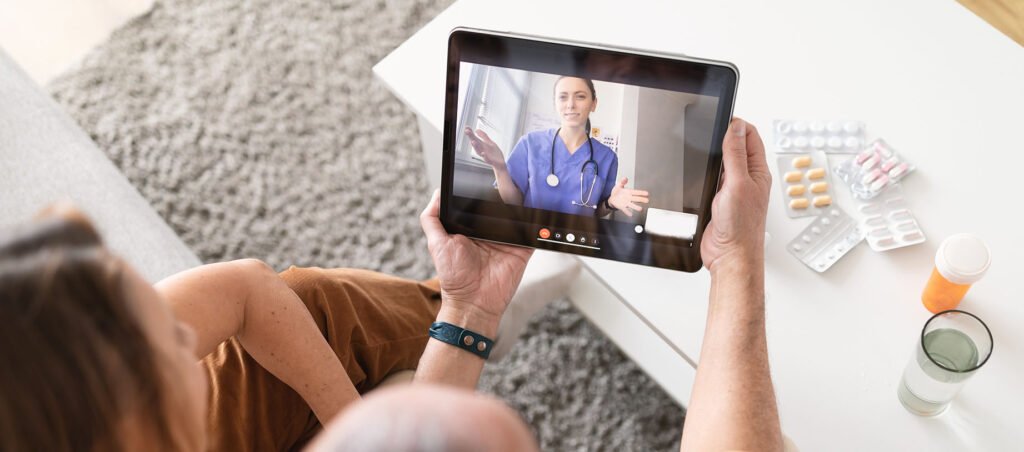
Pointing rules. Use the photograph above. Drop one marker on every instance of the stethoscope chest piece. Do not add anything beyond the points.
(552, 180)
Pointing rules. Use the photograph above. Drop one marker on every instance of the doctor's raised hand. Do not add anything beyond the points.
(739, 209)
(486, 148)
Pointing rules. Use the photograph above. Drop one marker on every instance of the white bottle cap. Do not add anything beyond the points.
(962, 259)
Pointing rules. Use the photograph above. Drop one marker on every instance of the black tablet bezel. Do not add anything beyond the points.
(614, 240)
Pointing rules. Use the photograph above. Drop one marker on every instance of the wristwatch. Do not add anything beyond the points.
(467, 340)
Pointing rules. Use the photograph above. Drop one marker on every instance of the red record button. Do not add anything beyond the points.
(544, 233)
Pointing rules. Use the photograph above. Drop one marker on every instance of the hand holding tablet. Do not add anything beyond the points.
(607, 151)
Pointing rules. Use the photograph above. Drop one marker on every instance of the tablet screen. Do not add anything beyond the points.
(590, 151)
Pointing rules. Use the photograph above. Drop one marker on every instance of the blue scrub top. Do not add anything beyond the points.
(530, 163)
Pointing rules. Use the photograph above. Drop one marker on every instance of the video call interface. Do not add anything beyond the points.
(542, 144)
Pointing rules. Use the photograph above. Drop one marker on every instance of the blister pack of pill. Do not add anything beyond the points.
(821, 244)
(828, 136)
(806, 187)
(888, 222)
(873, 170)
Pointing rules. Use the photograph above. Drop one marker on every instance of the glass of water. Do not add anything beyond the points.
(954, 345)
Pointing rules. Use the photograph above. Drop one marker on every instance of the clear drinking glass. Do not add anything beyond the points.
(954, 345)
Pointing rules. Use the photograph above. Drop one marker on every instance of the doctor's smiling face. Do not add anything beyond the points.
(575, 100)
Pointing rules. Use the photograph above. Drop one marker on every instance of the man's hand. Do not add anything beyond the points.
(477, 278)
(732, 405)
(738, 212)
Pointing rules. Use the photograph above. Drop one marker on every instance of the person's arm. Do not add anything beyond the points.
(246, 299)
(508, 186)
(733, 403)
(478, 280)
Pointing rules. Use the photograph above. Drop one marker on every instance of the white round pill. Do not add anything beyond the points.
(816, 230)
(826, 221)
(818, 142)
(853, 143)
(797, 247)
(785, 143)
(835, 213)
(834, 127)
(800, 142)
(851, 127)
(783, 126)
(799, 127)
(806, 238)
(835, 143)
(817, 127)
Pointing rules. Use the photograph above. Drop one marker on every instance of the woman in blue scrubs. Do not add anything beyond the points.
(562, 169)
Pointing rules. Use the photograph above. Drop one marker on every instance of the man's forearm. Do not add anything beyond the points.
(733, 403)
(443, 363)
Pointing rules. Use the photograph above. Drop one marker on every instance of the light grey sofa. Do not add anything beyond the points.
(46, 157)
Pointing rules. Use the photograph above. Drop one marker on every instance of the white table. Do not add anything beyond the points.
(938, 83)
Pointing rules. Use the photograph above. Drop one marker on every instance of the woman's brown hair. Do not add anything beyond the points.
(77, 366)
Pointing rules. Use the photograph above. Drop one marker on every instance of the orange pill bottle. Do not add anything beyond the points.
(961, 261)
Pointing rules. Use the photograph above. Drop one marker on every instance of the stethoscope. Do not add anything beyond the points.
(552, 179)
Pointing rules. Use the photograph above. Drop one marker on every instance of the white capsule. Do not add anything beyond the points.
(783, 126)
(886, 242)
(913, 237)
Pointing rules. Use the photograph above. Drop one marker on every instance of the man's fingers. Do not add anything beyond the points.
(622, 182)
(430, 221)
(734, 148)
(634, 207)
(756, 159)
(641, 199)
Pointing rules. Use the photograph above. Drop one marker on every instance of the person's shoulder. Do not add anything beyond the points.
(534, 140)
(602, 150)
(540, 134)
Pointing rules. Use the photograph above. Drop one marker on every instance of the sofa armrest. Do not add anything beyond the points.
(46, 157)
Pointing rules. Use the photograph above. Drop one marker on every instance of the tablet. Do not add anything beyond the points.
(587, 149)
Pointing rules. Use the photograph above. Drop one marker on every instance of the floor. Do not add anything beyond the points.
(1006, 16)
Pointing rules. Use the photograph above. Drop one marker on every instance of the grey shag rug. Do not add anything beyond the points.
(255, 129)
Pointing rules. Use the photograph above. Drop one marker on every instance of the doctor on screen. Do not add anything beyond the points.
(562, 169)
